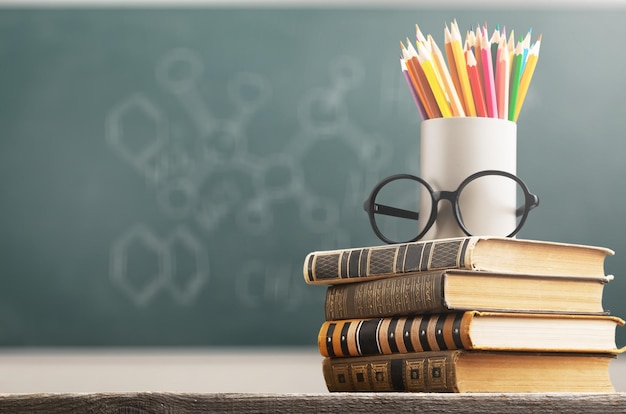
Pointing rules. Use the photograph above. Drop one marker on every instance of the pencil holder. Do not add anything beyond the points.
(453, 149)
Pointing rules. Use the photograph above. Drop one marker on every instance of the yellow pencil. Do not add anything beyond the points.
(453, 97)
(461, 67)
(529, 68)
(454, 75)
(434, 80)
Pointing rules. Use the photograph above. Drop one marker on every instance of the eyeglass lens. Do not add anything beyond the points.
(490, 205)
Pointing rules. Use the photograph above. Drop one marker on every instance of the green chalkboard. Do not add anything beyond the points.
(163, 173)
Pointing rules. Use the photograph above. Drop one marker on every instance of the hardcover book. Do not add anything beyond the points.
(504, 255)
(470, 371)
(471, 330)
(462, 371)
(449, 290)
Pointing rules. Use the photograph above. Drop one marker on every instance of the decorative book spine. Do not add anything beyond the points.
(434, 372)
(384, 336)
(349, 265)
(410, 294)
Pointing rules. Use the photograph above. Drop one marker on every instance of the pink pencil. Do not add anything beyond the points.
(488, 77)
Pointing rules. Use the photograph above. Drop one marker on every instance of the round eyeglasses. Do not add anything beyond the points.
(403, 197)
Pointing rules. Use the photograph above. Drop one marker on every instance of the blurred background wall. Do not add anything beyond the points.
(165, 168)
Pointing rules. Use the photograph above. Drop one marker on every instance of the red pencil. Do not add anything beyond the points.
(474, 78)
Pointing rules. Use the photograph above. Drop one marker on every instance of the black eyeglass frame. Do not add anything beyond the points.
(371, 207)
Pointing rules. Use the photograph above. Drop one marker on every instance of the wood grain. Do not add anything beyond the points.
(182, 403)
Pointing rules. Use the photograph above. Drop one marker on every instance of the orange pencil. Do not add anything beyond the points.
(455, 103)
(412, 89)
(421, 78)
(410, 65)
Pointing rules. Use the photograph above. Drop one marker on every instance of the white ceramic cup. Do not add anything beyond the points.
(452, 149)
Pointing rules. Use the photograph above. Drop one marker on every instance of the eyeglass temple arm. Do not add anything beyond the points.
(520, 211)
(395, 212)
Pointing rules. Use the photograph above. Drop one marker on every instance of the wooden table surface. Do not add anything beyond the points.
(381, 403)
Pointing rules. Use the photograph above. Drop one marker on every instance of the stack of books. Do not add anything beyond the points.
(470, 314)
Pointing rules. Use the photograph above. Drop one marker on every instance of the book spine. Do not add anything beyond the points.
(350, 265)
(410, 294)
(385, 336)
(431, 372)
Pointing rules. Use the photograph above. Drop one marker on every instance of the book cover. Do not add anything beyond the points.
(506, 255)
(472, 330)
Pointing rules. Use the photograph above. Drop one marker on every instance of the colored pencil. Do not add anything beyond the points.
(503, 73)
(488, 77)
(453, 97)
(419, 36)
(477, 38)
(434, 80)
(494, 42)
(412, 72)
(515, 80)
(480, 75)
(474, 79)
(511, 45)
(527, 74)
(430, 103)
(454, 74)
(414, 95)
(461, 67)
(525, 47)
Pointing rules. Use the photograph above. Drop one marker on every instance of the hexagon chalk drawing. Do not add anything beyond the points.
(186, 294)
(118, 136)
(139, 234)
(164, 279)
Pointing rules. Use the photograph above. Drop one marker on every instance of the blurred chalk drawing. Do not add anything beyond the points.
(199, 177)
